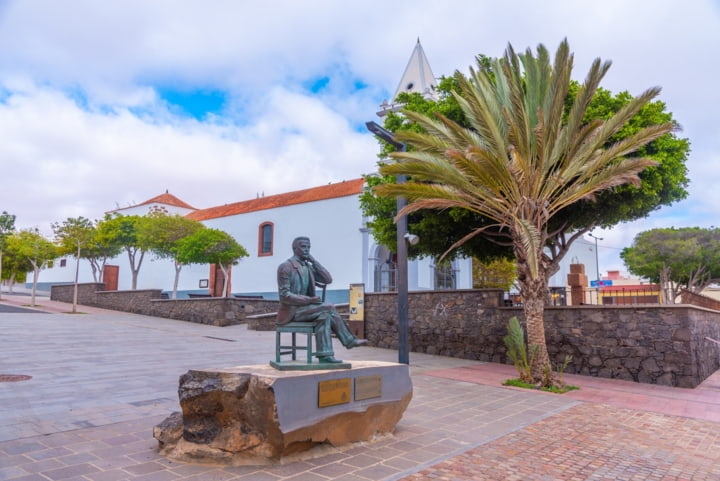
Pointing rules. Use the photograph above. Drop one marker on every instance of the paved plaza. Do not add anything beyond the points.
(97, 382)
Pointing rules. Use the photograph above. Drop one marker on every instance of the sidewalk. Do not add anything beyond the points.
(100, 381)
(44, 304)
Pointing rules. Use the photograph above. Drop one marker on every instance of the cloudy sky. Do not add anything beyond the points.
(107, 104)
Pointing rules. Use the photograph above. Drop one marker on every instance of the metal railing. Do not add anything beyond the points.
(600, 296)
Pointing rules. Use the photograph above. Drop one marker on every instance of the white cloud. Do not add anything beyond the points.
(118, 143)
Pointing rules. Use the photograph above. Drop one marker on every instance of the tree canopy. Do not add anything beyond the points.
(125, 232)
(7, 227)
(210, 246)
(682, 258)
(528, 154)
(660, 185)
(29, 246)
(72, 236)
(163, 234)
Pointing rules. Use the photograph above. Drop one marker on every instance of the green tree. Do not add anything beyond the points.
(74, 235)
(99, 251)
(163, 233)
(523, 161)
(660, 185)
(684, 258)
(31, 246)
(15, 267)
(210, 246)
(124, 232)
(494, 274)
(7, 227)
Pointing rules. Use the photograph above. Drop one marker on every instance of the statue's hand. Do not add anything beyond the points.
(315, 300)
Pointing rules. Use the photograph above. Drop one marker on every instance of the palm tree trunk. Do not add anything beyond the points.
(534, 309)
(533, 289)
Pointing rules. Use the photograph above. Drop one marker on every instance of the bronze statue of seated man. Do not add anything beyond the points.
(299, 303)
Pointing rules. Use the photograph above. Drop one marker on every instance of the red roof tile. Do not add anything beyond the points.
(167, 199)
(330, 191)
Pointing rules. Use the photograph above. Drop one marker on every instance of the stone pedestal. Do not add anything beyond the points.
(259, 415)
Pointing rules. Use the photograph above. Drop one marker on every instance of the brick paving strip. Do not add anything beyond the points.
(592, 442)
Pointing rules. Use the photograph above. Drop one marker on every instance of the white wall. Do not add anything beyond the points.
(339, 240)
(333, 225)
(582, 251)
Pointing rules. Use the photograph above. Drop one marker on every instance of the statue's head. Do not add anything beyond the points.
(300, 245)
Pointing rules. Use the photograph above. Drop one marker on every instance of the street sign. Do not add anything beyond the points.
(601, 283)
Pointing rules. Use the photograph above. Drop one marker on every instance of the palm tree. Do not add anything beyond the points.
(525, 157)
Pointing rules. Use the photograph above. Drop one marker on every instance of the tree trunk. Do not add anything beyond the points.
(533, 295)
(533, 289)
(36, 274)
(77, 276)
(178, 266)
(225, 279)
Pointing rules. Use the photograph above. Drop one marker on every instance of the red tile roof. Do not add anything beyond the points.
(330, 191)
(167, 199)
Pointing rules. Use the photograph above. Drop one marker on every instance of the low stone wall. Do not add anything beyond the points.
(658, 344)
(216, 311)
(650, 344)
(86, 292)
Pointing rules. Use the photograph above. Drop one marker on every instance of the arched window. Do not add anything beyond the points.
(265, 239)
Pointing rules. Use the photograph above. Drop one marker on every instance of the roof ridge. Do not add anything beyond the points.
(168, 199)
(312, 194)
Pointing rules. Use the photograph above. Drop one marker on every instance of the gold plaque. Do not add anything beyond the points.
(368, 387)
(335, 391)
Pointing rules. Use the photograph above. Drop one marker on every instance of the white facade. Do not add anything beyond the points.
(334, 224)
(582, 251)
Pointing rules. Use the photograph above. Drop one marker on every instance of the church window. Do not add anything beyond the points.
(265, 239)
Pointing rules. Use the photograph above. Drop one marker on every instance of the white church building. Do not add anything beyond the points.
(266, 226)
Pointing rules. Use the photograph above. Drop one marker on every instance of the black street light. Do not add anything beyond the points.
(402, 236)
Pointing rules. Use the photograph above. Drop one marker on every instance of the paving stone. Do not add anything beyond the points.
(101, 381)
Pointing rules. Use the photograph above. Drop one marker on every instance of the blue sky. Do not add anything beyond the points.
(106, 104)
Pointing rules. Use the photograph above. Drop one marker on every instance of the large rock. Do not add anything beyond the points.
(258, 415)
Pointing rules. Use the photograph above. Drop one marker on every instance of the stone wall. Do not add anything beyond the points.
(86, 292)
(658, 344)
(216, 311)
(650, 344)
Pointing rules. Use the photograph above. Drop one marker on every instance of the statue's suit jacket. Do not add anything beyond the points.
(290, 288)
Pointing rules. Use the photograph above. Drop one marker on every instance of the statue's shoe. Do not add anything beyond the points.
(328, 360)
(357, 343)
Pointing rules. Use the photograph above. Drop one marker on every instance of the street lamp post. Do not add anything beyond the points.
(597, 261)
(402, 263)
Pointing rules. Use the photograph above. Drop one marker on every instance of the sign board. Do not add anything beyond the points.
(333, 392)
(601, 283)
(368, 387)
(357, 302)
